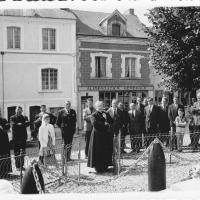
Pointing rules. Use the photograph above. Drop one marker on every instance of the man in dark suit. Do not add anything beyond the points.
(163, 121)
(151, 121)
(172, 114)
(66, 121)
(140, 107)
(124, 130)
(116, 114)
(38, 120)
(135, 127)
(19, 123)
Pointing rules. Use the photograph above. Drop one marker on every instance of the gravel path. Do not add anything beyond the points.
(136, 179)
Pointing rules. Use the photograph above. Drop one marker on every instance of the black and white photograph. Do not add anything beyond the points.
(103, 98)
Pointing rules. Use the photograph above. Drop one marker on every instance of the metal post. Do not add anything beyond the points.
(119, 152)
(21, 175)
(63, 159)
(65, 154)
(2, 70)
(171, 139)
(79, 158)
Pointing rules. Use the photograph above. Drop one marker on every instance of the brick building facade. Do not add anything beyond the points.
(112, 58)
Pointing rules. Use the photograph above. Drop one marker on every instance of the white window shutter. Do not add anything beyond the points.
(123, 66)
(138, 68)
(108, 67)
(92, 74)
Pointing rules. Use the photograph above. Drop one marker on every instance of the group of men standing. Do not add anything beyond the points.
(144, 119)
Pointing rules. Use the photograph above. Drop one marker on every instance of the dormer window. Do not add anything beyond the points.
(116, 29)
(114, 24)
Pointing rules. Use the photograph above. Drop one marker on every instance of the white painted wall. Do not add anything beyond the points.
(21, 67)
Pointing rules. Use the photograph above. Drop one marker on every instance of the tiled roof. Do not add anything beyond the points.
(40, 13)
(88, 23)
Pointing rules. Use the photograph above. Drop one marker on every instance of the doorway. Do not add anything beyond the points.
(33, 110)
(11, 112)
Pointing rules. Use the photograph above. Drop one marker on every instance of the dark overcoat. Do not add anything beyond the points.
(100, 148)
(151, 120)
(163, 120)
(19, 131)
(67, 122)
(125, 122)
(117, 121)
(5, 160)
(135, 123)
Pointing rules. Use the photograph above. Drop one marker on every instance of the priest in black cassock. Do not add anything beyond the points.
(5, 160)
(100, 153)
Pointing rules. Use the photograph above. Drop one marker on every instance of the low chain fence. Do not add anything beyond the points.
(130, 158)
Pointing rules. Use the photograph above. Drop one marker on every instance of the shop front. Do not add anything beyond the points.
(125, 94)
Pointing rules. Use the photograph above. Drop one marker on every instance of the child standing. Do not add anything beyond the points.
(46, 139)
(180, 122)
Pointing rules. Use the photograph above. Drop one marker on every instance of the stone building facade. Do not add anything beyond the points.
(112, 58)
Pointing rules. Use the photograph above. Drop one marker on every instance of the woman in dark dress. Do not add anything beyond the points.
(100, 147)
(5, 160)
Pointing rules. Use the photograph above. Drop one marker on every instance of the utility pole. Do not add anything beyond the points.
(2, 70)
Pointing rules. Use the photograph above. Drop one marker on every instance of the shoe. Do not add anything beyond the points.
(69, 159)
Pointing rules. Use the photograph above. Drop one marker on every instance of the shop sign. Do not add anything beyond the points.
(115, 88)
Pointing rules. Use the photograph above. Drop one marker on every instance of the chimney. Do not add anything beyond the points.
(129, 12)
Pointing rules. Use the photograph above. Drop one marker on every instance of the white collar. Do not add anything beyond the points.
(67, 111)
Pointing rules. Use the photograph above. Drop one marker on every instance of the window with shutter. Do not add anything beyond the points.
(100, 66)
(49, 79)
(130, 64)
(13, 37)
(48, 39)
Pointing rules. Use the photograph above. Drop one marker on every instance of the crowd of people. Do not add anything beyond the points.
(143, 121)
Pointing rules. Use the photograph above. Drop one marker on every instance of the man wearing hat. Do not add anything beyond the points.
(66, 121)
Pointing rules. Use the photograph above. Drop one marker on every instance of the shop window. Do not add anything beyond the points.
(107, 98)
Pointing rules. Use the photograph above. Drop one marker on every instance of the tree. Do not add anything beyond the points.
(174, 41)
